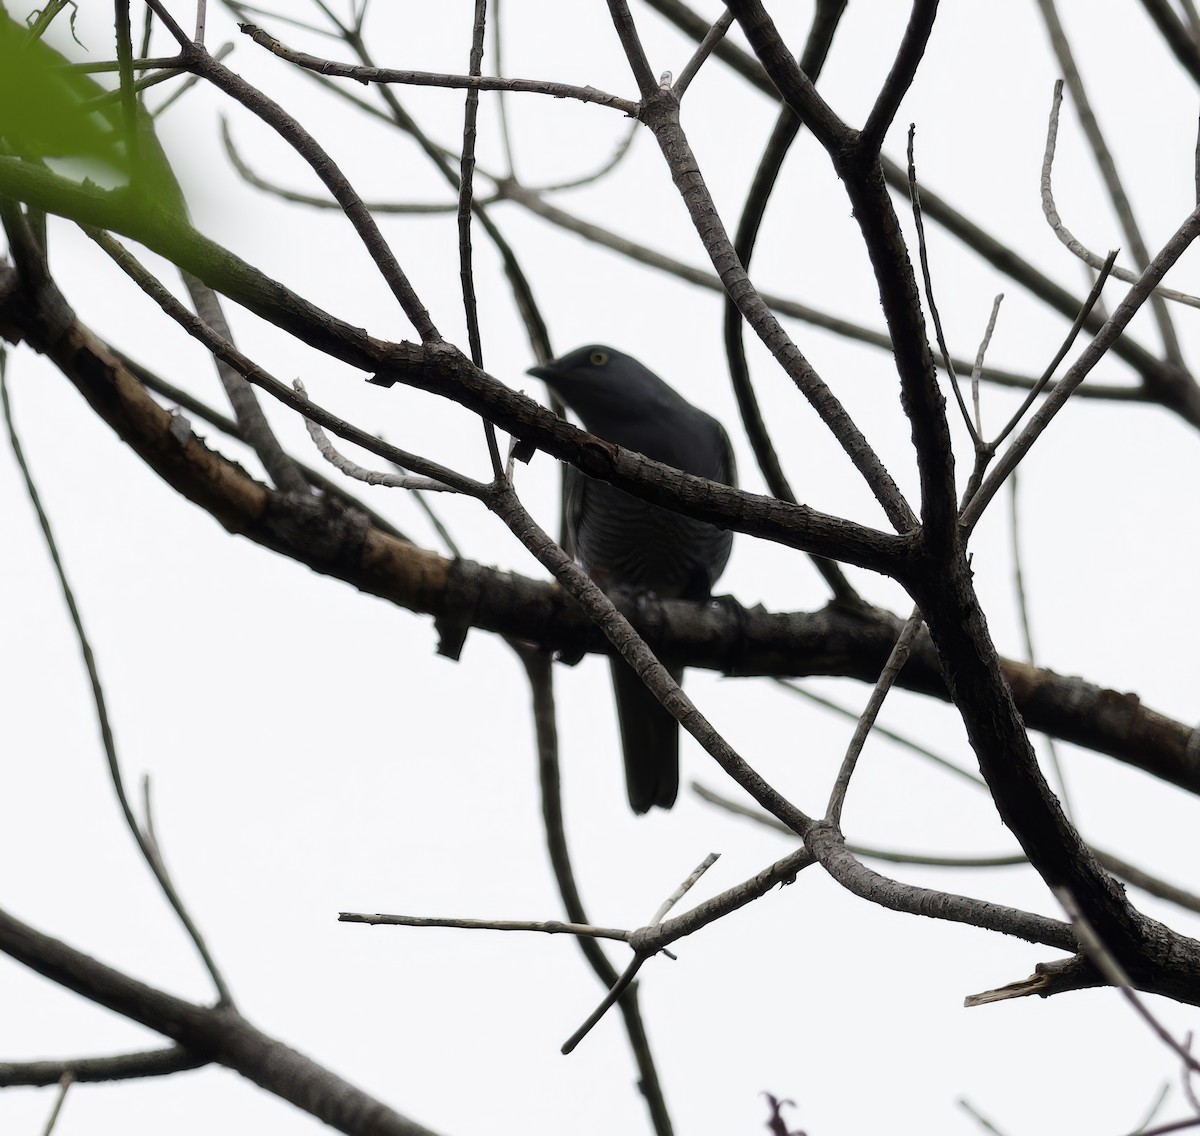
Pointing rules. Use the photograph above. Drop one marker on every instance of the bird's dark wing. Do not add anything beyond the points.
(726, 465)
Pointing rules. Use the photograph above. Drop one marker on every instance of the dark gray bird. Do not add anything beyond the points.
(624, 542)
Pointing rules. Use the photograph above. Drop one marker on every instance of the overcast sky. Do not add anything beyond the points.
(310, 752)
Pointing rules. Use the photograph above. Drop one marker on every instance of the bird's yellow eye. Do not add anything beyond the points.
(598, 358)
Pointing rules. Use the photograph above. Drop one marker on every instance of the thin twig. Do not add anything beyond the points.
(1106, 962)
(545, 927)
(899, 78)
(1108, 170)
(1155, 1106)
(703, 50)
(1152, 885)
(619, 987)
(1027, 629)
(219, 1031)
(923, 751)
(466, 183)
(606, 167)
(826, 17)
(1077, 325)
(111, 98)
(685, 887)
(253, 426)
(1064, 234)
(631, 42)
(527, 307)
(64, 1083)
(221, 53)
(242, 11)
(541, 681)
(363, 73)
(149, 848)
(255, 374)
(530, 199)
(506, 145)
(502, 500)
(1092, 354)
(1130, 873)
(126, 93)
(1167, 1129)
(639, 957)
(890, 856)
(685, 169)
(43, 18)
(1160, 382)
(108, 66)
(979, 1118)
(885, 682)
(317, 201)
(923, 250)
(977, 370)
(118, 1067)
(358, 473)
(439, 526)
(291, 131)
(184, 400)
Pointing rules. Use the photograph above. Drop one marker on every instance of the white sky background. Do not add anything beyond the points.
(311, 753)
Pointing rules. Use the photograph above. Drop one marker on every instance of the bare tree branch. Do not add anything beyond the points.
(364, 73)
(214, 1033)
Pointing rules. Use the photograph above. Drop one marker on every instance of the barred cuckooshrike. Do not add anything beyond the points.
(624, 542)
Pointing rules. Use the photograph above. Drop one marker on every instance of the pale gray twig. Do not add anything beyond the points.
(65, 1082)
(1064, 234)
(545, 927)
(1108, 170)
(359, 473)
(1043, 383)
(640, 955)
(977, 370)
(1092, 354)
(685, 887)
(364, 74)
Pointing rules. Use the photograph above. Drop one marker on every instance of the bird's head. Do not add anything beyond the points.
(603, 385)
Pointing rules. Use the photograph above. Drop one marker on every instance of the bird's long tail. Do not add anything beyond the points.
(650, 740)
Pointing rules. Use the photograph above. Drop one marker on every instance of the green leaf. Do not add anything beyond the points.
(43, 105)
